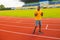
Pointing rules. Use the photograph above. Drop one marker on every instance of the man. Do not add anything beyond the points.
(38, 16)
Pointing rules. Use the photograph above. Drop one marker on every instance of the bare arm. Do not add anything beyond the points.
(42, 14)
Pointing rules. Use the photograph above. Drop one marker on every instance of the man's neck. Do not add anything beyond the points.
(38, 10)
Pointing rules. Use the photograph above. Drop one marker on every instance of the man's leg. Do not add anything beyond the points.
(40, 26)
(34, 29)
(36, 24)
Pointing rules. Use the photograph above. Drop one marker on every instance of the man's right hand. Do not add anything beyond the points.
(36, 14)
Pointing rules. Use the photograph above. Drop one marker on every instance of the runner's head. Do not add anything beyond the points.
(38, 8)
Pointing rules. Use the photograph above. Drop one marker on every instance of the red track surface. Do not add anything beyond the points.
(21, 29)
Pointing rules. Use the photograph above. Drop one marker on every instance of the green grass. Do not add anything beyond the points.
(48, 13)
(52, 13)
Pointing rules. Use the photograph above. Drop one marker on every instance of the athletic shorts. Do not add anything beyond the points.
(38, 22)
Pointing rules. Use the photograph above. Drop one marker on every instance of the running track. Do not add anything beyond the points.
(12, 28)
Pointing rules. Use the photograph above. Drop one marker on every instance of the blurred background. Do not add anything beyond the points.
(28, 4)
(43, 3)
(25, 8)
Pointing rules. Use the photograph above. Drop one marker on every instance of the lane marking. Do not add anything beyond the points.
(15, 22)
(19, 33)
(27, 27)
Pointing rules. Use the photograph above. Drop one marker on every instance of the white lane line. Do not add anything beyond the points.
(26, 27)
(15, 26)
(19, 33)
(11, 21)
(16, 22)
(22, 22)
(54, 29)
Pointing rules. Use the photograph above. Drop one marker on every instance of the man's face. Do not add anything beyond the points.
(38, 8)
